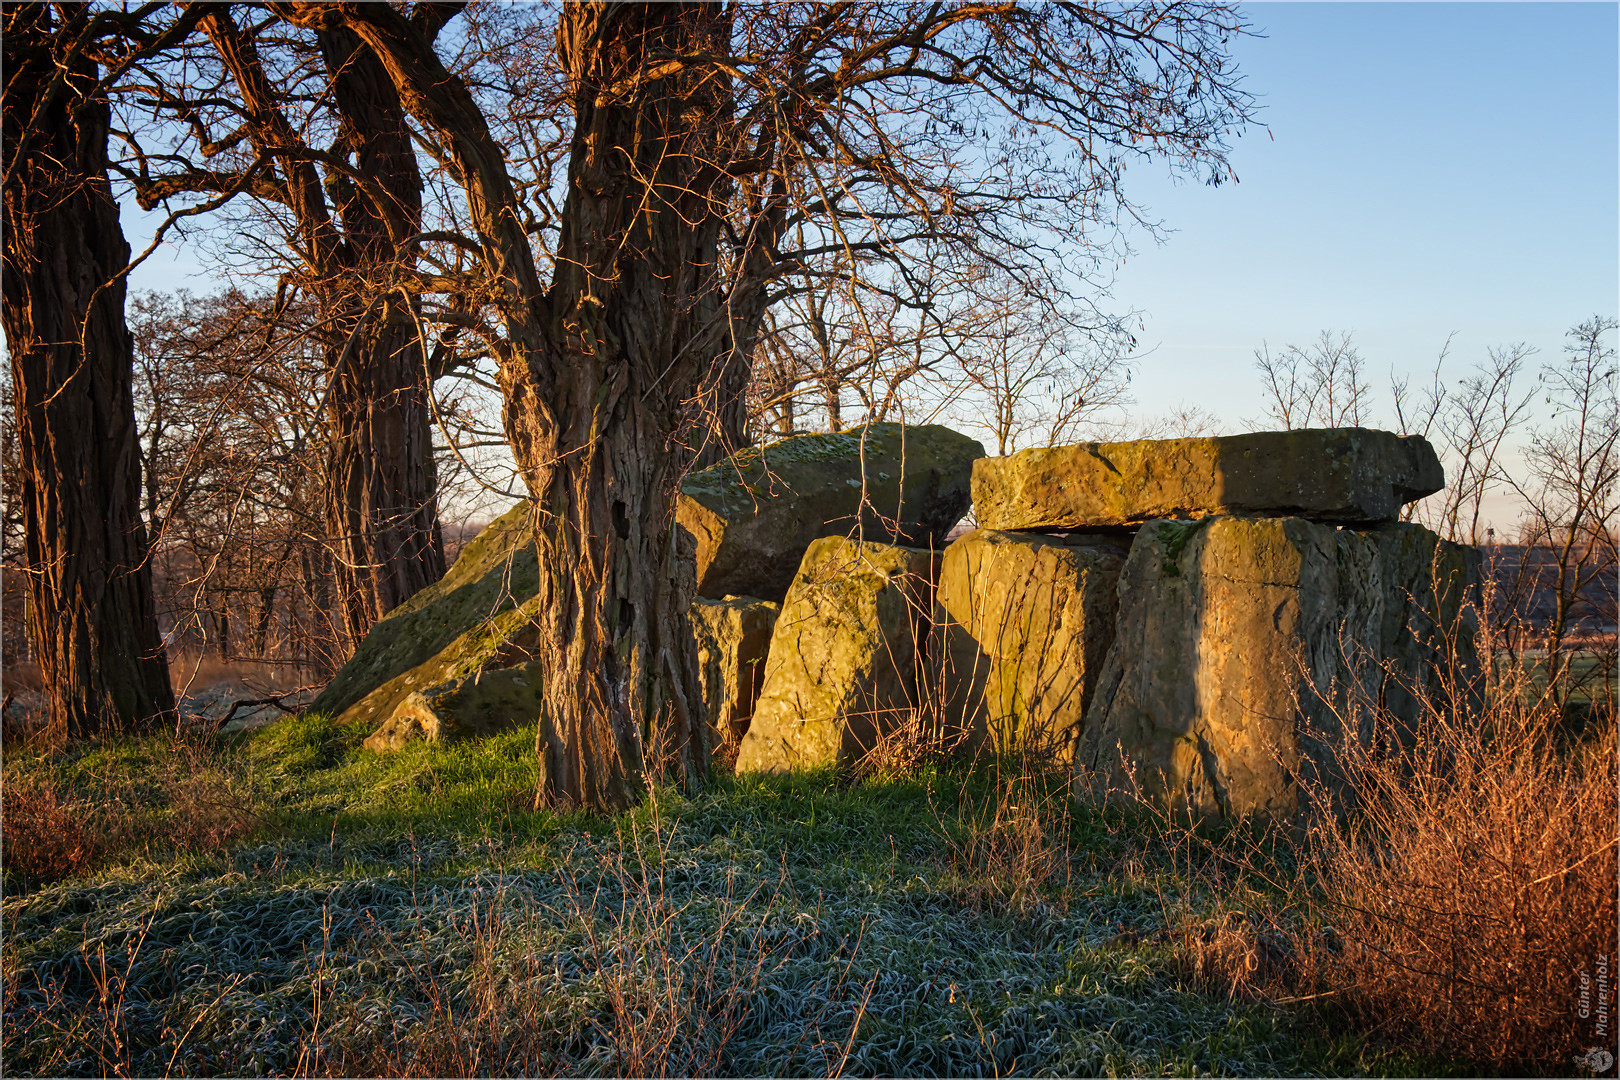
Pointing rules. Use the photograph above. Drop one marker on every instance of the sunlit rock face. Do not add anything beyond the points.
(1247, 649)
(846, 662)
(1348, 476)
(1025, 622)
(750, 518)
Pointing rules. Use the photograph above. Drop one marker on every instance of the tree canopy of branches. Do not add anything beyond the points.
(706, 141)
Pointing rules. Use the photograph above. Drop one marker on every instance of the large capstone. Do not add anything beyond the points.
(846, 657)
(733, 638)
(1353, 476)
(1027, 622)
(751, 517)
(1247, 650)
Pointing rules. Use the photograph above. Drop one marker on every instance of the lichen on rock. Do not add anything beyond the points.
(1353, 476)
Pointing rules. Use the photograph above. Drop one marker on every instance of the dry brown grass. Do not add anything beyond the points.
(1445, 901)
(44, 836)
(186, 802)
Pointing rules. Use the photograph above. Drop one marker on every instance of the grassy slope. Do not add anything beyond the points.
(410, 914)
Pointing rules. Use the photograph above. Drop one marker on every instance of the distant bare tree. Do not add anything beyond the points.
(1323, 385)
(1572, 489)
(233, 452)
(1038, 376)
(1183, 421)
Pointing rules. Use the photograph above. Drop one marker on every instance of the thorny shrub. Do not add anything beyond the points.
(1471, 886)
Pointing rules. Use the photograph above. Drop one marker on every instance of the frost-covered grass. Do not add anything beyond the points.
(412, 914)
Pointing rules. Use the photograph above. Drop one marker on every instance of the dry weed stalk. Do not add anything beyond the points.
(1473, 882)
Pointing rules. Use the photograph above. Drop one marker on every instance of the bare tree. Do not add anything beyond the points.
(228, 391)
(65, 257)
(1029, 371)
(701, 133)
(1321, 386)
(1572, 492)
(1476, 426)
(351, 212)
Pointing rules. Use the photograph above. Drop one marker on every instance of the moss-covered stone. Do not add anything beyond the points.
(750, 518)
(494, 573)
(1027, 620)
(1353, 476)
(733, 638)
(1239, 647)
(484, 702)
(846, 655)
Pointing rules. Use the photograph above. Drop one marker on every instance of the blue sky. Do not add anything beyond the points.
(1426, 168)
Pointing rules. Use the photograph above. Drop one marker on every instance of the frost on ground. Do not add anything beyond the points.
(716, 935)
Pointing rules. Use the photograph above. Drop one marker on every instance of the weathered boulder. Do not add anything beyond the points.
(1027, 620)
(1242, 643)
(733, 637)
(450, 661)
(751, 517)
(482, 703)
(1352, 476)
(845, 657)
(455, 627)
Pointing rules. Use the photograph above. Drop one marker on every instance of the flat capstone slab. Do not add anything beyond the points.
(1343, 476)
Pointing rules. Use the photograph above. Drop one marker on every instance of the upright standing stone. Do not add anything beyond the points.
(751, 517)
(1027, 622)
(846, 655)
(733, 638)
(1241, 644)
(1352, 476)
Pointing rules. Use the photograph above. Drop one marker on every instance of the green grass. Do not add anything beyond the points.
(410, 912)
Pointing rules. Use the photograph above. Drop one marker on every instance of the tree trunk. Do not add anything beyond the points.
(382, 507)
(637, 328)
(89, 579)
(606, 374)
(381, 496)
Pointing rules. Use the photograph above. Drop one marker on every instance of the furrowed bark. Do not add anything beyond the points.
(381, 496)
(605, 374)
(382, 504)
(89, 581)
